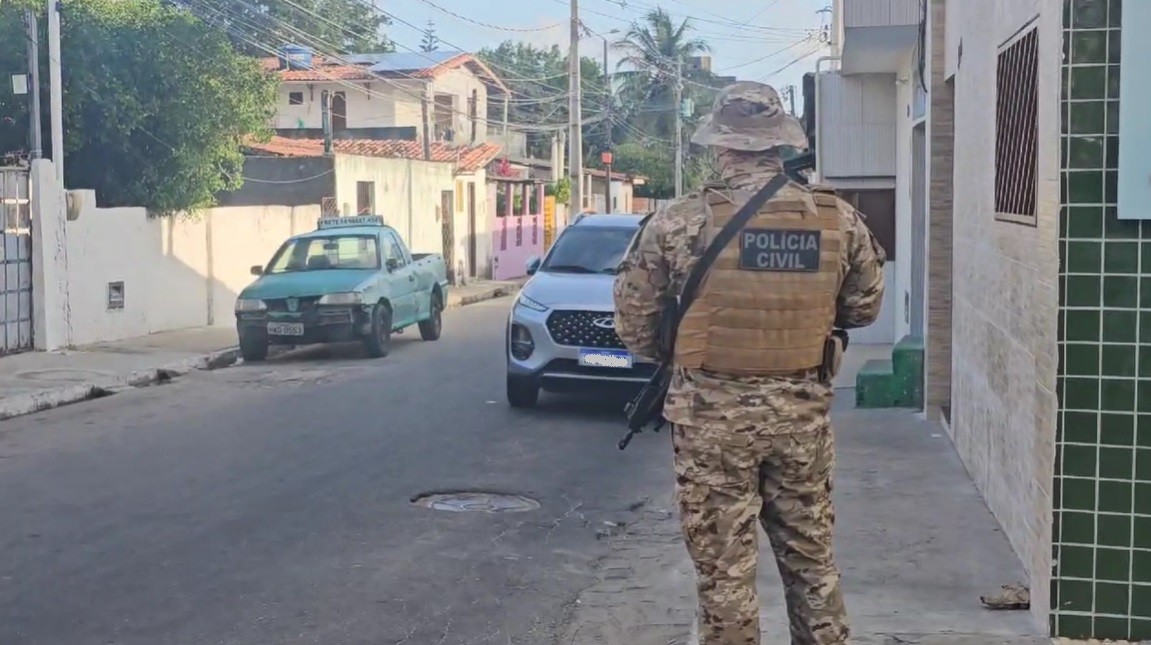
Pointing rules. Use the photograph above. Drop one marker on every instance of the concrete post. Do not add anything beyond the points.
(51, 323)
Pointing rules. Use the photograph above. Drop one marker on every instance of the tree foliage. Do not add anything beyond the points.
(156, 104)
(538, 79)
(430, 41)
(336, 26)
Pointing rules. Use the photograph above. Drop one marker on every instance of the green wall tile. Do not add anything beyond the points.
(1080, 359)
(1121, 291)
(1074, 626)
(1078, 494)
(1141, 566)
(1115, 463)
(1081, 394)
(1084, 222)
(1076, 561)
(1112, 598)
(1119, 360)
(1117, 429)
(1119, 229)
(1115, 496)
(1121, 257)
(1120, 326)
(1079, 461)
(1141, 600)
(1111, 628)
(1143, 462)
(1076, 528)
(1088, 14)
(1142, 532)
(1085, 187)
(1114, 530)
(1143, 499)
(1117, 395)
(1084, 290)
(1110, 564)
(1081, 427)
(1075, 595)
(1084, 325)
(1088, 47)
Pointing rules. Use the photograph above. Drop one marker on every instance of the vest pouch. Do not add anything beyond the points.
(833, 350)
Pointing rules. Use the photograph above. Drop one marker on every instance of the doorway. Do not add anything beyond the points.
(339, 111)
(472, 268)
(448, 227)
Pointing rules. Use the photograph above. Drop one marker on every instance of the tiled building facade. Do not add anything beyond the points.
(1102, 550)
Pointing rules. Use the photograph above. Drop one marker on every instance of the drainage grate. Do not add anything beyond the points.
(476, 502)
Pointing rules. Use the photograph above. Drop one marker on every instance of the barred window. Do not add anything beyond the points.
(1016, 128)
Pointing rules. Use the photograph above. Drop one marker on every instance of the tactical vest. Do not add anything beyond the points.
(768, 304)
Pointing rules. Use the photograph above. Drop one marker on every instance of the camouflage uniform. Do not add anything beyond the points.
(749, 446)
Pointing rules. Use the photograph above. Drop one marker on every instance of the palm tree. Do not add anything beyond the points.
(652, 47)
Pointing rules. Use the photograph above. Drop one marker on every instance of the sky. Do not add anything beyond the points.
(771, 41)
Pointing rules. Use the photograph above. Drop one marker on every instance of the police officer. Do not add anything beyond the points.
(751, 387)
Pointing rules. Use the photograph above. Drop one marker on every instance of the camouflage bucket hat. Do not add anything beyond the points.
(749, 116)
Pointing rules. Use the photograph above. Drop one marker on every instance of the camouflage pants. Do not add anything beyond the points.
(724, 480)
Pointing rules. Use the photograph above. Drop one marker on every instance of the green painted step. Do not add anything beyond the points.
(895, 383)
(907, 359)
(875, 384)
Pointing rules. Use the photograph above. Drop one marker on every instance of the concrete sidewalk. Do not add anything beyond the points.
(36, 381)
(916, 545)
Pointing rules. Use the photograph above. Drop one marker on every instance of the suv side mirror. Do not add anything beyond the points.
(392, 264)
(532, 265)
(257, 270)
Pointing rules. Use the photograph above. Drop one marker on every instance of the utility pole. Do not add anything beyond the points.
(326, 120)
(678, 127)
(575, 119)
(609, 123)
(56, 100)
(789, 92)
(34, 124)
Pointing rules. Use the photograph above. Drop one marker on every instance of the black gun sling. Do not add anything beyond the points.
(687, 297)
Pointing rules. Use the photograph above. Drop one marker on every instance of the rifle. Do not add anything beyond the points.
(647, 406)
(793, 166)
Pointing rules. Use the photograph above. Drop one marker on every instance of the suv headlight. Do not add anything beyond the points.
(524, 301)
(350, 298)
(250, 305)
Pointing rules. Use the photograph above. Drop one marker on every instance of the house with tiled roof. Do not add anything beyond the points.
(385, 95)
(435, 197)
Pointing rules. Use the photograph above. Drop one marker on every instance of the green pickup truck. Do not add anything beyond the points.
(352, 278)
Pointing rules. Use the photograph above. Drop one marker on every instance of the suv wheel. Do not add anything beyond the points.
(523, 392)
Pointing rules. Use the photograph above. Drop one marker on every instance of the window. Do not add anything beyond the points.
(588, 249)
(327, 252)
(1016, 129)
(295, 98)
(395, 251)
(365, 198)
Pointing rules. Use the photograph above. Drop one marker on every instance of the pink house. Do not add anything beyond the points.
(516, 222)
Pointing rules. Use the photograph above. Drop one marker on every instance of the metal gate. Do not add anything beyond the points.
(15, 261)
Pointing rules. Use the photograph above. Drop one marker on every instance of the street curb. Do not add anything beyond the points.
(31, 403)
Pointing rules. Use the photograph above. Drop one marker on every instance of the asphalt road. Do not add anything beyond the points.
(272, 503)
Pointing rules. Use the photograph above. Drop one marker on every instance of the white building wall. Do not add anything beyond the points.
(408, 196)
(903, 208)
(1005, 300)
(177, 272)
(379, 104)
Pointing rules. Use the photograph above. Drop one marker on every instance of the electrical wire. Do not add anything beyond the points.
(488, 25)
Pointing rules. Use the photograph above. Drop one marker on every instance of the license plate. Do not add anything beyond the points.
(286, 329)
(605, 358)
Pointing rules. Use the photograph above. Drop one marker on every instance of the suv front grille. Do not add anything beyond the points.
(578, 329)
(303, 304)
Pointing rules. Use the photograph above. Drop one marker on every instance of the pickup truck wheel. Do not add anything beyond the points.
(523, 392)
(431, 328)
(379, 341)
(253, 350)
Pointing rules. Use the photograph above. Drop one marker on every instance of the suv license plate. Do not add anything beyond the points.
(605, 358)
(286, 329)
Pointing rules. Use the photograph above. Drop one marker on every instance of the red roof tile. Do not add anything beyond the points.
(466, 158)
(325, 69)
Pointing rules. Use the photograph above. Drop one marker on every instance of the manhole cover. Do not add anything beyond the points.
(477, 503)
